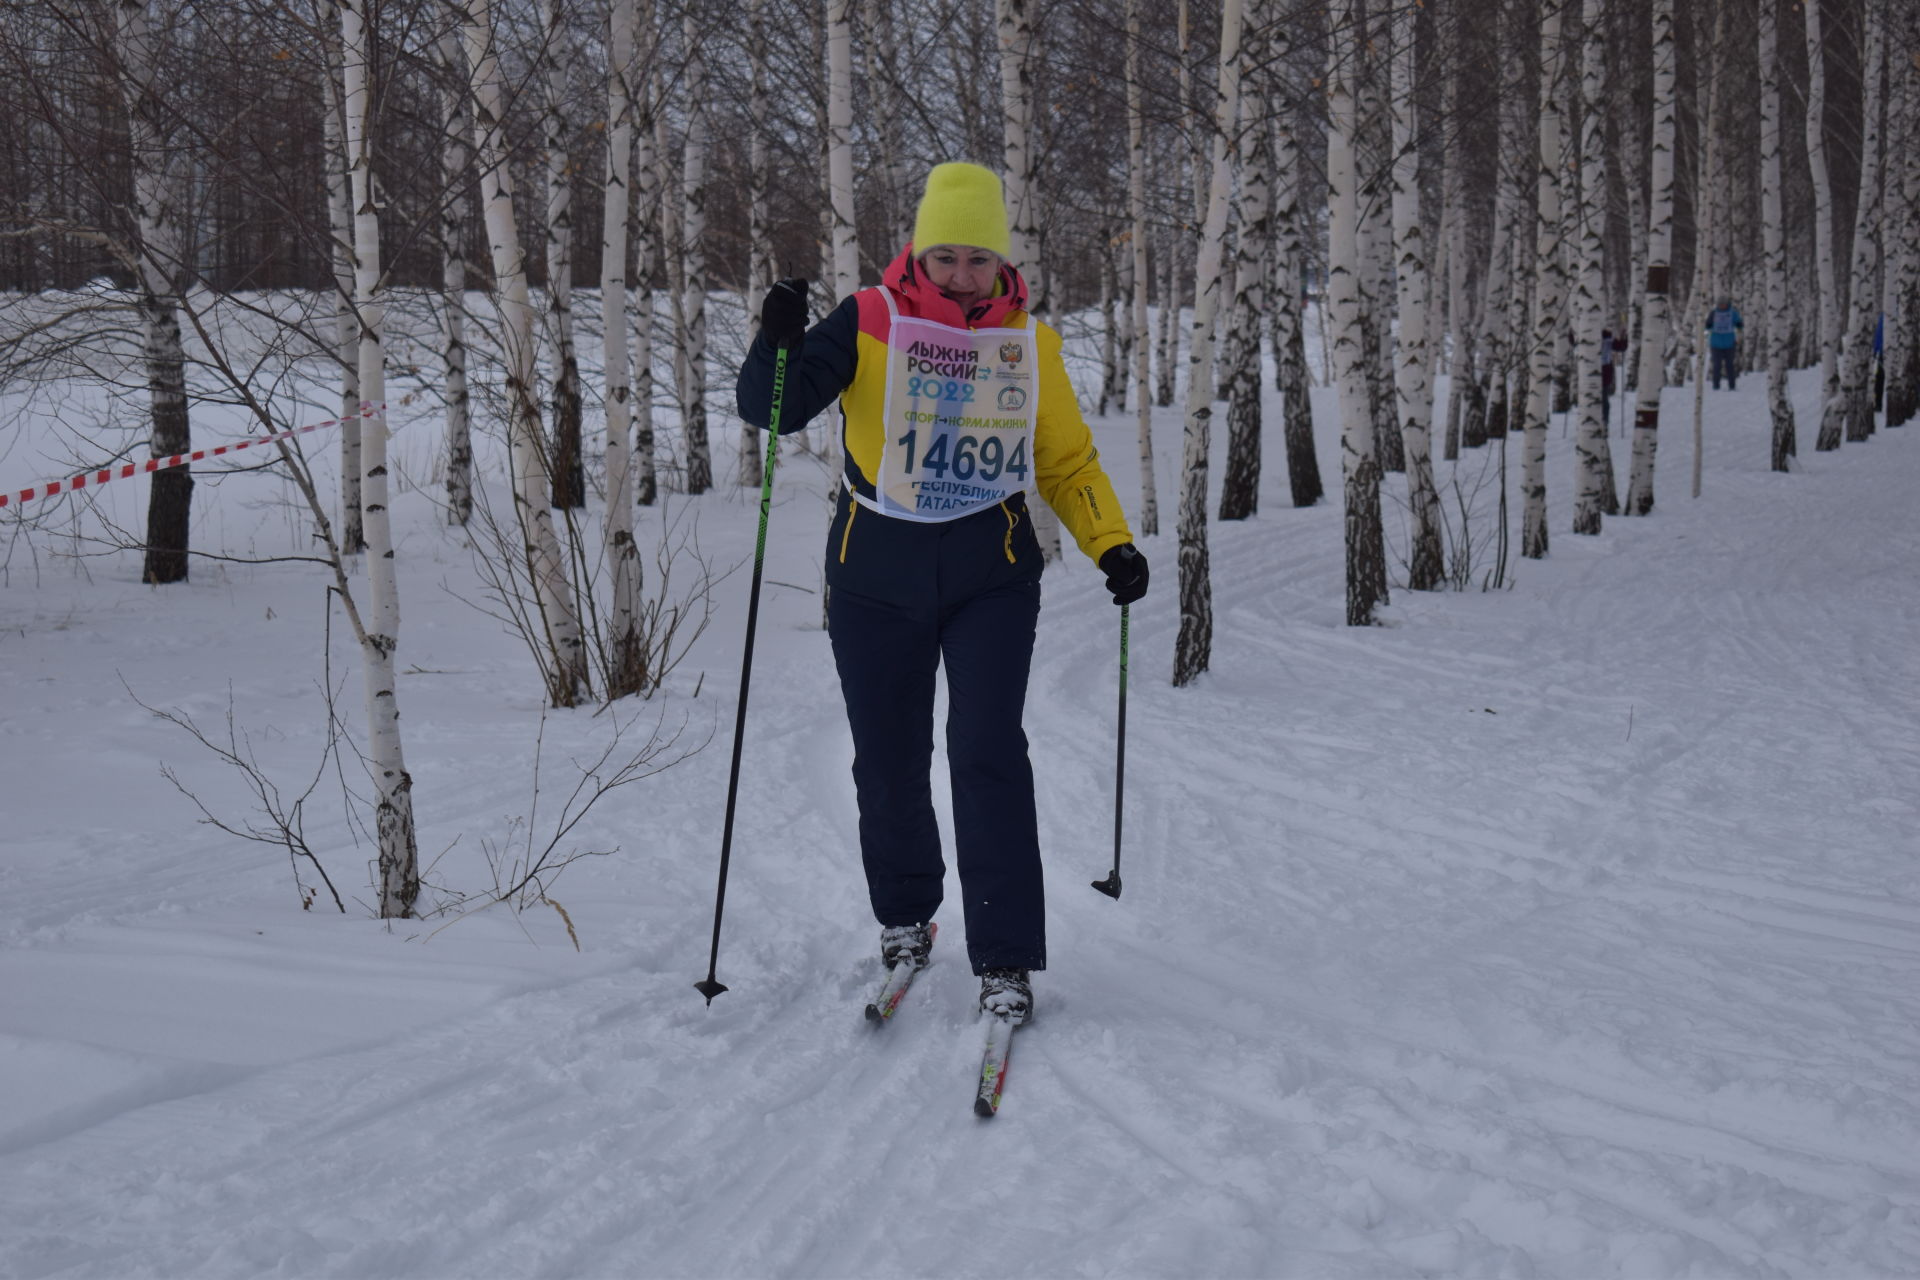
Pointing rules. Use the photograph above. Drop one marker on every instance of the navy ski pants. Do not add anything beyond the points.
(1721, 363)
(907, 599)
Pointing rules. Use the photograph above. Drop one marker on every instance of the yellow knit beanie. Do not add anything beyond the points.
(962, 205)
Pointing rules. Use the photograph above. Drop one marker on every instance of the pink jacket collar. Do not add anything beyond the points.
(919, 298)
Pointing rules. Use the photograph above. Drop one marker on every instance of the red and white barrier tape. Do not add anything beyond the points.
(127, 469)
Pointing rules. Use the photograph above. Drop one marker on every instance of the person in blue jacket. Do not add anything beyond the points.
(1723, 340)
(955, 408)
(1879, 359)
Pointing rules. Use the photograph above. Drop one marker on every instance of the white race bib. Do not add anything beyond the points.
(961, 407)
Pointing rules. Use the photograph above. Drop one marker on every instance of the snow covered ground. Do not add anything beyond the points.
(1569, 930)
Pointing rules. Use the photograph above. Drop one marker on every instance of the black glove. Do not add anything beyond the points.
(783, 316)
(1126, 571)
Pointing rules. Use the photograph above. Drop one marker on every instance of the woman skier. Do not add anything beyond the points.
(955, 404)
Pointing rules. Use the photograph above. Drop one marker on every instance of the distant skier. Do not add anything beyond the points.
(956, 405)
(1610, 347)
(1723, 340)
(1879, 360)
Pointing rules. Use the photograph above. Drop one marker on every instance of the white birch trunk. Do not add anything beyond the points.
(1549, 292)
(846, 236)
(1773, 234)
(1013, 24)
(646, 253)
(1707, 191)
(1593, 466)
(157, 219)
(1462, 335)
(352, 538)
(568, 475)
(1167, 344)
(843, 232)
(1630, 305)
(564, 666)
(760, 265)
(1413, 391)
(1193, 646)
(456, 161)
(672, 197)
(1193, 127)
(1827, 318)
(1148, 514)
(1366, 561)
(1289, 324)
(1566, 391)
(1706, 185)
(882, 48)
(1110, 383)
(1900, 352)
(393, 812)
(693, 235)
(626, 655)
(1014, 27)
(1373, 152)
(1240, 485)
(1651, 379)
(1856, 380)
(1509, 385)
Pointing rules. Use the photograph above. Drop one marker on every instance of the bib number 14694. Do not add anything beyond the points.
(967, 457)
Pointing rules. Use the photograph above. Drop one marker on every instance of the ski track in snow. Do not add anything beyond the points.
(1571, 930)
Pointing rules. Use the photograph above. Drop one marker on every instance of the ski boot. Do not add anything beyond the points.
(1007, 993)
(909, 942)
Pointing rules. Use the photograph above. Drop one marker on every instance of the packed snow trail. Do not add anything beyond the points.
(1572, 930)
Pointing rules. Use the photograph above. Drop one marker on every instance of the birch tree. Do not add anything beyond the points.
(1240, 485)
(159, 235)
(1900, 354)
(1856, 380)
(1373, 156)
(1166, 341)
(1594, 463)
(456, 155)
(569, 485)
(760, 264)
(1365, 541)
(693, 253)
(1149, 511)
(346, 322)
(1652, 379)
(1289, 325)
(1827, 318)
(1707, 208)
(845, 229)
(891, 112)
(1549, 288)
(1466, 395)
(626, 654)
(1014, 27)
(1413, 392)
(1773, 233)
(647, 240)
(1504, 319)
(564, 664)
(670, 190)
(1193, 645)
(393, 811)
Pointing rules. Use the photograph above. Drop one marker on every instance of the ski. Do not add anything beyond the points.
(993, 1067)
(893, 990)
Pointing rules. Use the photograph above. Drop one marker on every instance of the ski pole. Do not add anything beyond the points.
(1111, 885)
(710, 986)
